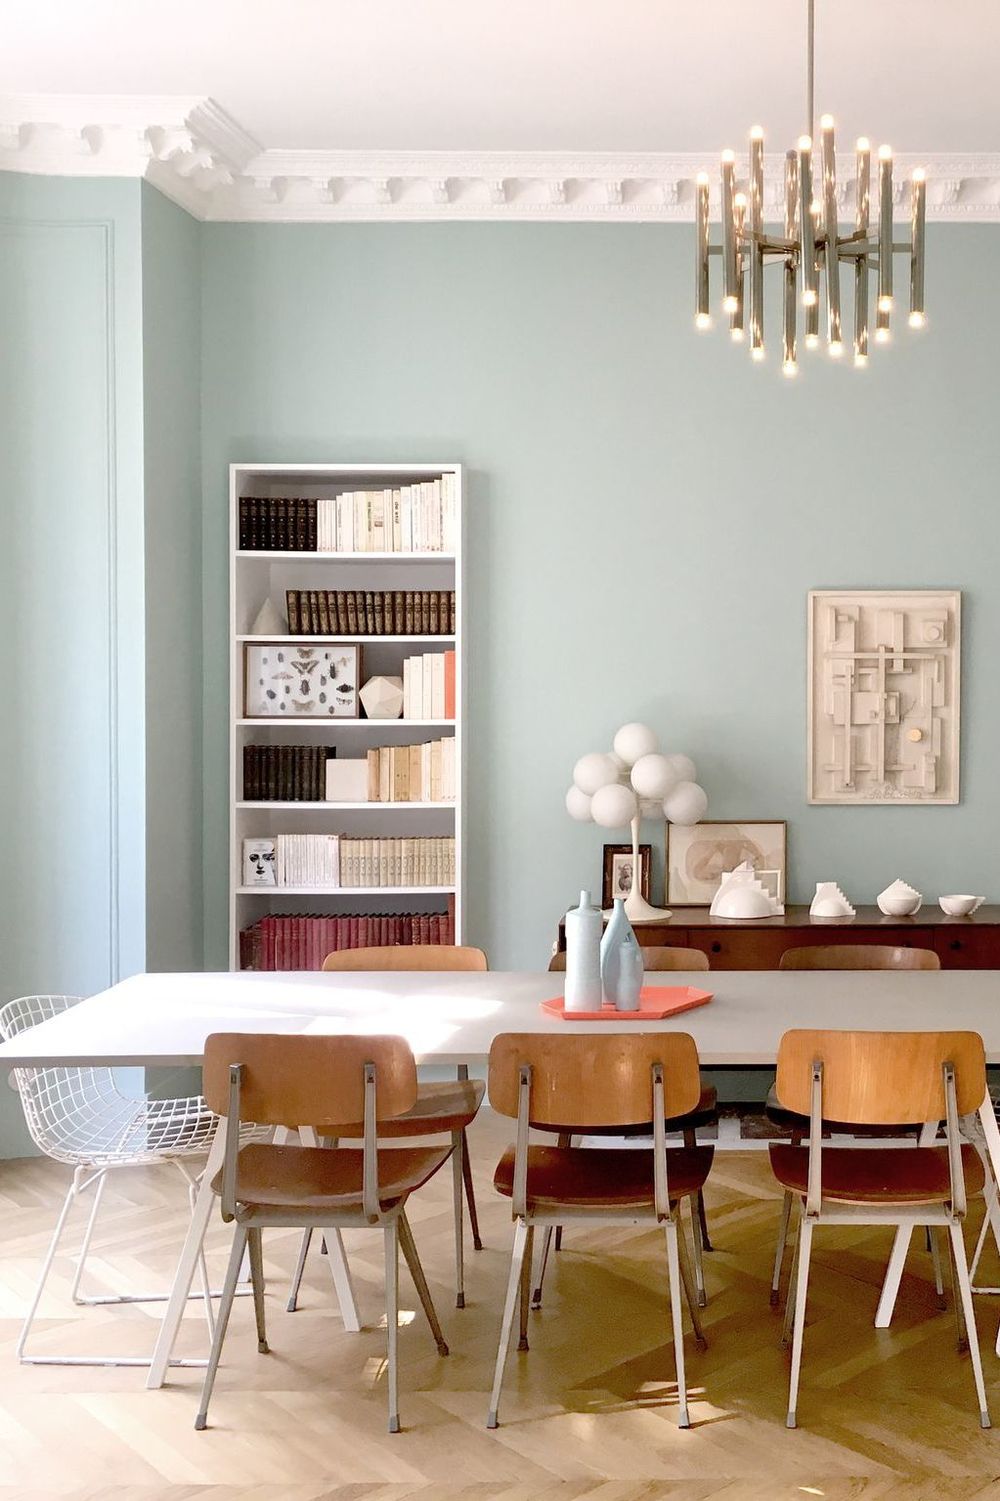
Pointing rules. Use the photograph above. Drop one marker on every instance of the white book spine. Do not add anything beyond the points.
(437, 685)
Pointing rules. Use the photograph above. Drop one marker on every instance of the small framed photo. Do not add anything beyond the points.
(290, 680)
(618, 871)
(697, 856)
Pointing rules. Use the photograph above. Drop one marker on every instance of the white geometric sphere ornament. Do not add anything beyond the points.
(633, 741)
(594, 770)
(614, 806)
(686, 804)
(653, 776)
(382, 698)
(578, 805)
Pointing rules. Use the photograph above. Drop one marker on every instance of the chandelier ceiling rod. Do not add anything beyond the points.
(811, 70)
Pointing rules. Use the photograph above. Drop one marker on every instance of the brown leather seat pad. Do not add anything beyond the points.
(789, 1121)
(705, 1113)
(313, 1177)
(613, 1177)
(450, 1105)
(871, 1175)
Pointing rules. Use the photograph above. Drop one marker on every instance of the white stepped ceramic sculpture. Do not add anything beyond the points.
(899, 900)
(741, 895)
(830, 901)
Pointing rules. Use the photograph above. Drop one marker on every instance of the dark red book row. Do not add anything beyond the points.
(302, 941)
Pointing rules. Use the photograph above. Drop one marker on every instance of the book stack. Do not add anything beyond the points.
(397, 862)
(429, 686)
(413, 773)
(280, 942)
(285, 773)
(307, 860)
(370, 612)
(412, 518)
(277, 524)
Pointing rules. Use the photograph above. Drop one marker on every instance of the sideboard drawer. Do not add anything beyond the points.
(968, 946)
(740, 948)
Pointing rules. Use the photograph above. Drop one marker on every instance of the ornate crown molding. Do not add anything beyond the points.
(196, 154)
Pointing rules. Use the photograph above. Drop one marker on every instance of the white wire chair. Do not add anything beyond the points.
(78, 1116)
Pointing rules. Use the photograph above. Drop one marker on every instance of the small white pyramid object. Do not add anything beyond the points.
(830, 901)
(269, 621)
(741, 895)
(382, 697)
(899, 900)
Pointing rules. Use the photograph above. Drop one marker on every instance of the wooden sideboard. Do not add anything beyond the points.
(959, 942)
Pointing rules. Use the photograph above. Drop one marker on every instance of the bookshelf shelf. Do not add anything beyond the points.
(262, 575)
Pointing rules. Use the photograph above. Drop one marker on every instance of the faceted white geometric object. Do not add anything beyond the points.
(899, 900)
(382, 698)
(830, 901)
(741, 895)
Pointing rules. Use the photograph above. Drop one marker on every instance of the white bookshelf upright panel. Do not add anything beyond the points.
(257, 576)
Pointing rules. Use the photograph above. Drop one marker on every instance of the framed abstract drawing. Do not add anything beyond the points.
(699, 854)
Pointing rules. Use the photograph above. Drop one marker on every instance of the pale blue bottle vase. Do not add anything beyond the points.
(621, 962)
(583, 956)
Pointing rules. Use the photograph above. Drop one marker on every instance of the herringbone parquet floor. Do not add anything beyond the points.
(588, 1413)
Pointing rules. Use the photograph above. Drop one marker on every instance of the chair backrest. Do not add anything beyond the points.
(29, 1011)
(308, 1081)
(403, 956)
(858, 956)
(876, 1078)
(592, 1080)
(655, 957)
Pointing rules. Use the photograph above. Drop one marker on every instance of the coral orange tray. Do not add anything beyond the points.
(655, 1003)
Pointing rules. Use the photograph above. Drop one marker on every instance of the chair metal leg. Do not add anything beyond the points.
(470, 1194)
(522, 1343)
(965, 1293)
(779, 1250)
(703, 1222)
(893, 1276)
(935, 1249)
(257, 1281)
(458, 1212)
(222, 1322)
(786, 1332)
(697, 1247)
(300, 1266)
(507, 1322)
(392, 1319)
(408, 1247)
(677, 1319)
(536, 1297)
(101, 1178)
(70, 1199)
(690, 1294)
(802, 1254)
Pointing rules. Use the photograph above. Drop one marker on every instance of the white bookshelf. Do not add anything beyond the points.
(258, 575)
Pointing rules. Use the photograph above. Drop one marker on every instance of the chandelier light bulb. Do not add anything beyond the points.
(805, 143)
(882, 336)
(736, 334)
(919, 175)
(789, 368)
(917, 320)
(812, 341)
(885, 153)
(885, 304)
(730, 304)
(863, 143)
(826, 122)
(836, 349)
(757, 353)
(757, 133)
(702, 179)
(809, 297)
(860, 361)
(728, 156)
(702, 320)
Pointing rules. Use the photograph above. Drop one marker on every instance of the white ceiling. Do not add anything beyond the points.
(528, 75)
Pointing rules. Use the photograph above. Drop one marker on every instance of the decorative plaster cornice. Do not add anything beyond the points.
(194, 152)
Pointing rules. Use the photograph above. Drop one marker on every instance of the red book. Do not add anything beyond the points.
(449, 685)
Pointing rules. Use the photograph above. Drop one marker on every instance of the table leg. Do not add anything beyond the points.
(188, 1261)
(337, 1257)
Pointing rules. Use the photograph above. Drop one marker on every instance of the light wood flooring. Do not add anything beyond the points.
(589, 1412)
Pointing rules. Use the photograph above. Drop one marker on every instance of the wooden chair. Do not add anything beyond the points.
(858, 956)
(439, 1108)
(550, 1081)
(833, 956)
(655, 958)
(659, 958)
(876, 1078)
(316, 1084)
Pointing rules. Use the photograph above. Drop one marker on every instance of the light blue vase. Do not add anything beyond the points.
(621, 962)
(582, 990)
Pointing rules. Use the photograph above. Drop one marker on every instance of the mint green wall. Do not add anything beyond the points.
(171, 344)
(646, 514)
(71, 911)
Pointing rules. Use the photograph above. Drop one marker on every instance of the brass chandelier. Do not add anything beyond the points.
(811, 250)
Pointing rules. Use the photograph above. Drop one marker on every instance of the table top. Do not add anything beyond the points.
(163, 1019)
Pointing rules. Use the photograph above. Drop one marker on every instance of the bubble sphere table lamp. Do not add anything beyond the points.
(633, 781)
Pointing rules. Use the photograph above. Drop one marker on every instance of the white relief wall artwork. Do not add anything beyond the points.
(884, 696)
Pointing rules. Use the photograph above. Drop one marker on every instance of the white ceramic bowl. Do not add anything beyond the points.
(899, 906)
(959, 906)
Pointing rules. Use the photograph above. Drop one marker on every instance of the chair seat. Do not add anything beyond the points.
(292, 1177)
(789, 1121)
(605, 1178)
(448, 1106)
(878, 1175)
(705, 1113)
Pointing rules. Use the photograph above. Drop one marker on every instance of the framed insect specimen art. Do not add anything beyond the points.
(288, 680)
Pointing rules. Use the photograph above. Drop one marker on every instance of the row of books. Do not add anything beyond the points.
(413, 773)
(370, 612)
(286, 773)
(429, 686)
(280, 942)
(412, 518)
(286, 861)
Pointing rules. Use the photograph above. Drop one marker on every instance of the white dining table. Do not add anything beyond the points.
(156, 1020)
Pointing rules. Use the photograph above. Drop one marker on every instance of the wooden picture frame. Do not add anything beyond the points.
(288, 680)
(618, 859)
(697, 854)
